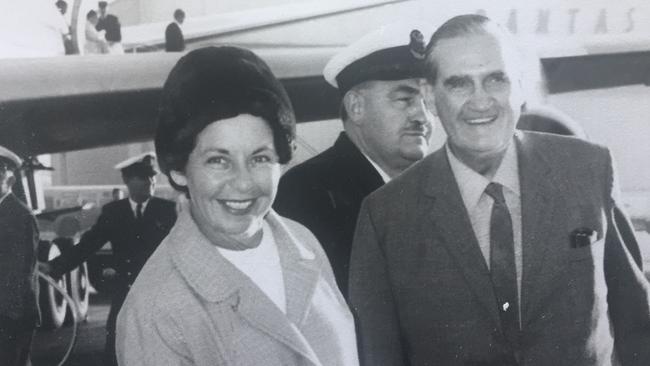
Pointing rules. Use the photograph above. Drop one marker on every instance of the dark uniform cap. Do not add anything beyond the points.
(392, 52)
(102, 4)
(143, 165)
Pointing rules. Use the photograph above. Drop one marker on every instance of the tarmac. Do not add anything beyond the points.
(49, 346)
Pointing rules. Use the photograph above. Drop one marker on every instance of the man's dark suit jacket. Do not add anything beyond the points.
(324, 193)
(174, 41)
(421, 288)
(111, 24)
(18, 276)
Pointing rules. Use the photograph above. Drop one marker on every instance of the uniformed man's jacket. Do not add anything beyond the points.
(132, 241)
(18, 248)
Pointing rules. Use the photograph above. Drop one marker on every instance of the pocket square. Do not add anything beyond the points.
(583, 237)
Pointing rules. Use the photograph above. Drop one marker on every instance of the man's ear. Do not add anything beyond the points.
(354, 104)
(178, 178)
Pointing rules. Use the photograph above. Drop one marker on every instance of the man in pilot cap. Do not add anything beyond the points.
(134, 226)
(386, 129)
(19, 314)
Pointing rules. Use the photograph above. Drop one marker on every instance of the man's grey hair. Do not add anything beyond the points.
(529, 67)
(462, 26)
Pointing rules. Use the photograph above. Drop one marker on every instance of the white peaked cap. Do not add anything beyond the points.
(386, 37)
(134, 159)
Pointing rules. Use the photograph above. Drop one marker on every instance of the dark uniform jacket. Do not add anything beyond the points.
(422, 291)
(132, 242)
(324, 193)
(111, 24)
(174, 41)
(18, 248)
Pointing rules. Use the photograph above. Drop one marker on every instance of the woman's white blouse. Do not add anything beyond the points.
(262, 266)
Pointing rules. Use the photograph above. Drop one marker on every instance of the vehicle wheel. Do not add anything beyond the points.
(53, 305)
(80, 290)
(77, 284)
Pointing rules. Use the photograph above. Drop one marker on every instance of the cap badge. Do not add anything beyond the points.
(416, 45)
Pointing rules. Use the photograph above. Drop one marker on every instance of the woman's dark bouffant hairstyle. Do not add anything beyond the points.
(212, 84)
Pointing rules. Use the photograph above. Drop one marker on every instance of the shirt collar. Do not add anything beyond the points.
(266, 251)
(508, 173)
(134, 205)
(385, 177)
(472, 184)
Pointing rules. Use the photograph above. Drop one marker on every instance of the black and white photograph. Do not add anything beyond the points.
(324, 183)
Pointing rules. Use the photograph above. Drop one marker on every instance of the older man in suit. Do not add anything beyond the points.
(501, 248)
(134, 226)
(387, 128)
(19, 313)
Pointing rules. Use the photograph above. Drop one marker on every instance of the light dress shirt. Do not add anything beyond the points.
(262, 266)
(134, 207)
(385, 177)
(479, 204)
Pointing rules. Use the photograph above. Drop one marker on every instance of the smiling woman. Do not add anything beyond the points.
(233, 174)
(233, 283)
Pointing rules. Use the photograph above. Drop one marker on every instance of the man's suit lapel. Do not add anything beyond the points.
(126, 211)
(451, 220)
(217, 280)
(358, 170)
(150, 209)
(541, 205)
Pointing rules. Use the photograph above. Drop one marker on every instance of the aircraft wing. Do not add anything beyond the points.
(76, 102)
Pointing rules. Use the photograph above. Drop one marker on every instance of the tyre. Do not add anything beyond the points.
(52, 303)
(79, 290)
(77, 284)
